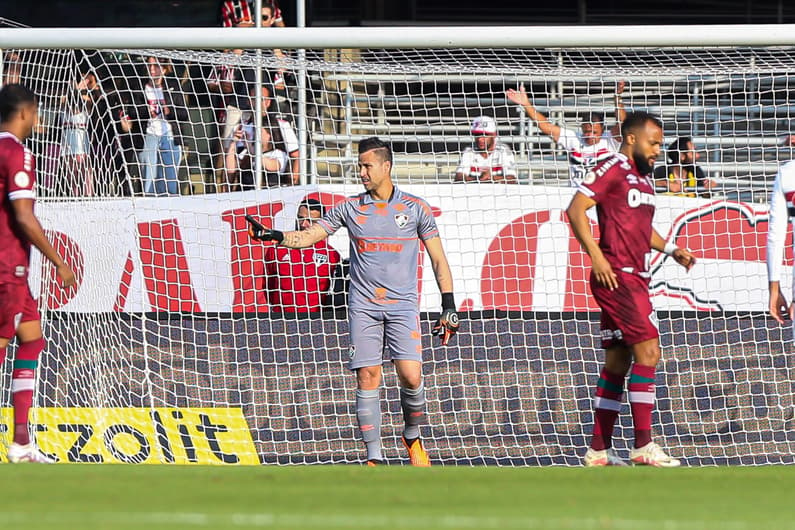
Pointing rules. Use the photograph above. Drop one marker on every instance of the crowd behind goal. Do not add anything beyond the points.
(108, 128)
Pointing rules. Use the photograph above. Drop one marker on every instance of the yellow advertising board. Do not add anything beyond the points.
(139, 435)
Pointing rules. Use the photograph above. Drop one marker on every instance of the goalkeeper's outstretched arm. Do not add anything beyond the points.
(304, 238)
(292, 239)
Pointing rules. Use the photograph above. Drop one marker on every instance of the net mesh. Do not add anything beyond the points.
(144, 193)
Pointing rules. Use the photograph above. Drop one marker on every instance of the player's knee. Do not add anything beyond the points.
(369, 377)
(410, 381)
(30, 351)
(649, 355)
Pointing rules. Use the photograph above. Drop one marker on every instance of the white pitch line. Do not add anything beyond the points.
(271, 520)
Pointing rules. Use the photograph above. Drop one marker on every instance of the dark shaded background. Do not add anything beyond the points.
(54, 13)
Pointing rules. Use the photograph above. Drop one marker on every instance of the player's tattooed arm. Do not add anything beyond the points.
(304, 238)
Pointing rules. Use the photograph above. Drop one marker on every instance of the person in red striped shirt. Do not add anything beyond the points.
(234, 11)
(298, 279)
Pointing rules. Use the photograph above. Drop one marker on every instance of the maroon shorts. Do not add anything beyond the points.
(16, 305)
(627, 314)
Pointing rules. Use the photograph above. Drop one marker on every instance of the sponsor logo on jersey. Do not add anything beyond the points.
(320, 258)
(401, 220)
(590, 178)
(22, 179)
(637, 198)
(352, 351)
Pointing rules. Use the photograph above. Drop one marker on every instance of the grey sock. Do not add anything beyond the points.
(412, 401)
(368, 414)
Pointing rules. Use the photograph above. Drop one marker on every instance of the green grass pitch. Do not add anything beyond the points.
(123, 497)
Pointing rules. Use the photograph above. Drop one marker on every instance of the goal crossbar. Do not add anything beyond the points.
(430, 37)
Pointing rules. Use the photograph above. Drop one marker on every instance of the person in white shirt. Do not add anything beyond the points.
(161, 153)
(280, 149)
(489, 160)
(782, 212)
(587, 147)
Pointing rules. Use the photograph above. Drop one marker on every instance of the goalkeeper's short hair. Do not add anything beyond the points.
(374, 143)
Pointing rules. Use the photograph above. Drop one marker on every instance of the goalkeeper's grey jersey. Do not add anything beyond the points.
(385, 244)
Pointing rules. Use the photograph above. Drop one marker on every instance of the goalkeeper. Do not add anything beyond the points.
(385, 226)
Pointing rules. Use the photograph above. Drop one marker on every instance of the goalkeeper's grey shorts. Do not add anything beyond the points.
(373, 332)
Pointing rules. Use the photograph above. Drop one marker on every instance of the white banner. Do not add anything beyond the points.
(509, 248)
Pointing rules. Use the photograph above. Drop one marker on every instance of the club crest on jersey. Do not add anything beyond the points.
(401, 220)
(22, 179)
(319, 258)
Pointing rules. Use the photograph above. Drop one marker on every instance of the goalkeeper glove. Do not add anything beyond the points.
(260, 233)
(447, 325)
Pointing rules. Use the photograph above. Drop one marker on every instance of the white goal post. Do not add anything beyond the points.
(170, 350)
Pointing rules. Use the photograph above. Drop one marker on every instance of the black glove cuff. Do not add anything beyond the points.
(448, 302)
(277, 236)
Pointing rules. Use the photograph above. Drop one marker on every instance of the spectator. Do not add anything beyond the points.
(164, 107)
(12, 68)
(128, 141)
(682, 176)
(76, 174)
(299, 279)
(110, 124)
(233, 11)
(240, 13)
(788, 140)
(104, 129)
(586, 148)
(280, 162)
(230, 85)
(490, 160)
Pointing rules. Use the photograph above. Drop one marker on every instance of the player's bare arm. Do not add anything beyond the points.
(778, 307)
(447, 324)
(621, 112)
(441, 268)
(682, 256)
(292, 239)
(578, 219)
(304, 238)
(544, 125)
(32, 230)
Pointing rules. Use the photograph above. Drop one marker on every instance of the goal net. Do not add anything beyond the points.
(171, 348)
